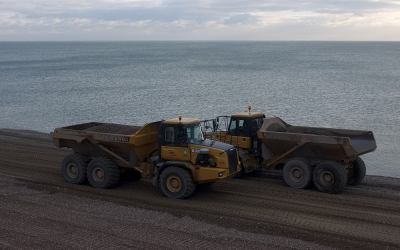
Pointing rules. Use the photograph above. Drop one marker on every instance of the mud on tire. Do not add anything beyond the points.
(103, 173)
(74, 168)
(177, 183)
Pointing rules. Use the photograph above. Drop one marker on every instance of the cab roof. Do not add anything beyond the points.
(248, 114)
(184, 121)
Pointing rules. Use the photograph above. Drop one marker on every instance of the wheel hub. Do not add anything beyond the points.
(327, 178)
(296, 174)
(72, 170)
(98, 174)
(174, 184)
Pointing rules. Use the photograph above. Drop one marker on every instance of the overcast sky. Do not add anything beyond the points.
(76, 20)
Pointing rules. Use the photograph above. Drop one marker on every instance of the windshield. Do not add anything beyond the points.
(194, 133)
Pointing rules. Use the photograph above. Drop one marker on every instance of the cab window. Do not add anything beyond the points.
(232, 127)
(238, 127)
(242, 128)
(175, 136)
(256, 124)
(169, 135)
(194, 134)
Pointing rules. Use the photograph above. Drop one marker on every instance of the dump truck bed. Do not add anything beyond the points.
(315, 143)
(131, 143)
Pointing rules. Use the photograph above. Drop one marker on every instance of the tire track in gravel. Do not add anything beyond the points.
(99, 224)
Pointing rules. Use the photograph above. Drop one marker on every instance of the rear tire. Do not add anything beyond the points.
(177, 183)
(298, 173)
(357, 173)
(103, 173)
(74, 168)
(330, 177)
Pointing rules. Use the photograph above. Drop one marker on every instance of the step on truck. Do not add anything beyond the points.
(172, 152)
(327, 157)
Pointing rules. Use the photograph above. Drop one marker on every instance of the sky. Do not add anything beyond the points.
(125, 20)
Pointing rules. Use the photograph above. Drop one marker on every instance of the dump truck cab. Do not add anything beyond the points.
(243, 129)
(239, 129)
(182, 145)
(180, 132)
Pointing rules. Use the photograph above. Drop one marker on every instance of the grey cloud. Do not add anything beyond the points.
(200, 19)
(208, 11)
(239, 18)
(163, 14)
(318, 6)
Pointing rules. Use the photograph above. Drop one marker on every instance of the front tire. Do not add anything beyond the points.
(330, 177)
(357, 172)
(103, 173)
(177, 183)
(298, 173)
(74, 168)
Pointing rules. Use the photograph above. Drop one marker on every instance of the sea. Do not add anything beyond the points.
(349, 85)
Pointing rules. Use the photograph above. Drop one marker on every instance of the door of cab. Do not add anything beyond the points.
(238, 133)
(174, 145)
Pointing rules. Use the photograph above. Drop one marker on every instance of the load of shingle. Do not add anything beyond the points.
(112, 128)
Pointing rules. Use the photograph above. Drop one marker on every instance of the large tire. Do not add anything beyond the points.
(177, 183)
(103, 173)
(74, 168)
(330, 177)
(298, 173)
(357, 173)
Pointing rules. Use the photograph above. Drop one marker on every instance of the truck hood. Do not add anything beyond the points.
(215, 144)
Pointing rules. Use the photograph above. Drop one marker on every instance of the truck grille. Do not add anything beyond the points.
(233, 160)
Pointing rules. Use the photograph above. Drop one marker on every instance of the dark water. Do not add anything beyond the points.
(353, 85)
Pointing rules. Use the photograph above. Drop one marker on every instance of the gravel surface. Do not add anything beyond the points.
(39, 210)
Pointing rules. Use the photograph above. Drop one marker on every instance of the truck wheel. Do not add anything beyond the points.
(298, 173)
(74, 168)
(330, 177)
(177, 183)
(357, 173)
(103, 173)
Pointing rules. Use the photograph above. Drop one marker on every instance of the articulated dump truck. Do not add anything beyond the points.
(327, 157)
(172, 152)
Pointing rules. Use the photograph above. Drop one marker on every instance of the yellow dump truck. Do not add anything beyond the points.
(327, 157)
(172, 152)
